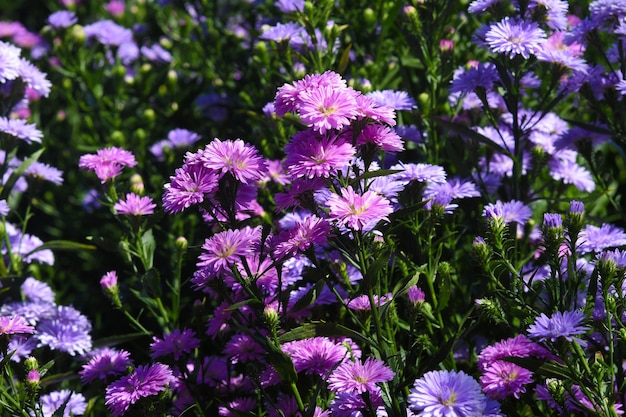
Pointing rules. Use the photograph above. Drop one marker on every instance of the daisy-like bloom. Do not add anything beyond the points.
(174, 343)
(44, 172)
(572, 173)
(419, 172)
(596, 239)
(283, 32)
(62, 19)
(359, 376)
(143, 382)
(310, 156)
(325, 108)
(14, 325)
(483, 75)
(288, 6)
(135, 205)
(37, 291)
(397, 100)
(383, 137)
(108, 32)
(239, 159)
(104, 363)
(109, 280)
(563, 59)
(223, 249)
(107, 163)
(243, 348)
(74, 403)
(602, 11)
(502, 379)
(511, 211)
(288, 96)
(352, 404)
(477, 6)
(317, 355)
(369, 109)
(36, 82)
(358, 211)
(67, 330)
(190, 185)
(447, 394)
(416, 295)
(20, 129)
(176, 139)
(568, 325)
(519, 346)
(310, 231)
(511, 37)
(454, 187)
(9, 61)
(362, 302)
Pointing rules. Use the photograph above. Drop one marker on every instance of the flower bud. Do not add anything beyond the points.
(136, 184)
(31, 363)
(181, 243)
(77, 33)
(33, 380)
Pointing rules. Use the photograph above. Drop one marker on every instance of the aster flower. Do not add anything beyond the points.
(156, 53)
(596, 239)
(483, 75)
(134, 205)
(369, 109)
(237, 407)
(37, 291)
(107, 163)
(20, 129)
(67, 330)
(225, 248)
(190, 185)
(397, 100)
(502, 379)
(383, 137)
(325, 108)
(104, 363)
(40, 171)
(4, 208)
(310, 231)
(511, 37)
(563, 59)
(72, 404)
(284, 32)
(359, 376)
(176, 139)
(603, 11)
(9, 61)
(145, 381)
(447, 394)
(108, 32)
(239, 159)
(571, 173)
(288, 96)
(511, 211)
(362, 302)
(309, 155)
(243, 348)
(174, 343)
(519, 346)
(419, 172)
(568, 325)
(288, 6)
(477, 6)
(352, 404)
(317, 355)
(14, 325)
(358, 211)
(62, 19)
(109, 280)
(454, 187)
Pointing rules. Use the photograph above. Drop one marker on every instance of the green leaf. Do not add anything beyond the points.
(149, 246)
(344, 60)
(282, 363)
(540, 367)
(66, 245)
(323, 328)
(377, 173)
(240, 304)
(308, 298)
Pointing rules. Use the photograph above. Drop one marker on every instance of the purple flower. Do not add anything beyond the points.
(447, 394)
(156, 53)
(511, 211)
(601, 11)
(352, 404)
(143, 382)
(237, 407)
(20, 129)
(37, 291)
(288, 6)
(310, 156)
(288, 96)
(243, 348)
(9, 61)
(108, 32)
(571, 173)
(105, 362)
(359, 376)
(596, 239)
(511, 37)
(325, 108)
(176, 139)
(190, 185)
(367, 108)
(109, 280)
(397, 100)
(519, 346)
(454, 187)
(67, 330)
(62, 19)
(383, 137)
(74, 404)
(358, 211)
(568, 325)
(362, 302)
(134, 205)
(239, 159)
(419, 172)
(310, 231)
(35, 80)
(317, 355)
(502, 379)
(4, 208)
(481, 75)
(477, 6)
(416, 295)
(280, 32)
(223, 249)
(174, 343)
(107, 163)
(40, 171)
(14, 325)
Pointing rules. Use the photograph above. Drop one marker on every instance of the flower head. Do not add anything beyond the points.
(397, 100)
(225, 248)
(447, 394)
(596, 239)
(239, 159)
(358, 211)
(13, 325)
(62, 19)
(104, 363)
(513, 38)
(174, 343)
(20, 129)
(327, 108)
(107, 163)
(310, 156)
(359, 376)
(502, 379)
(135, 205)
(568, 325)
(74, 404)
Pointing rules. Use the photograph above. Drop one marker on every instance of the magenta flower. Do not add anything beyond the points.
(513, 38)
(107, 163)
(190, 185)
(310, 156)
(241, 160)
(362, 302)
(288, 96)
(358, 211)
(317, 355)
(106, 362)
(502, 379)
(311, 231)
(383, 137)
(327, 108)
(143, 382)
(14, 325)
(174, 343)
(359, 377)
(135, 205)
(225, 248)
(109, 280)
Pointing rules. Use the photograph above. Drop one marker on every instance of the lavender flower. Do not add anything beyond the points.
(190, 185)
(4, 208)
(40, 171)
(596, 239)
(145, 381)
(359, 376)
(317, 355)
(568, 325)
(14, 325)
(467, 80)
(20, 129)
(134, 205)
(174, 343)
(67, 330)
(9, 62)
(74, 404)
(397, 100)
(511, 211)
(37, 291)
(62, 19)
(447, 394)
(511, 37)
(104, 363)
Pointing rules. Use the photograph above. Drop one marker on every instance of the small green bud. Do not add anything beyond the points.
(31, 363)
(423, 99)
(146, 68)
(118, 138)
(172, 77)
(181, 243)
(77, 33)
(149, 115)
(136, 184)
(270, 314)
(119, 70)
(369, 16)
(166, 43)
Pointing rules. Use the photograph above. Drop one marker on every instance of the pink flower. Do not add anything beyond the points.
(13, 325)
(135, 205)
(359, 377)
(242, 161)
(359, 212)
(224, 249)
(327, 108)
(107, 163)
(311, 156)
